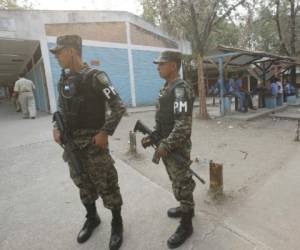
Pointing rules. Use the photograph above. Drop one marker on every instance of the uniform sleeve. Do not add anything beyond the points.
(157, 108)
(113, 100)
(183, 114)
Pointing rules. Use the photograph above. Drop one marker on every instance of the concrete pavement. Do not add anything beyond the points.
(271, 215)
(40, 207)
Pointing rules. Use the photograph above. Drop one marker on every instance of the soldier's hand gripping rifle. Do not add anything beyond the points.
(155, 140)
(68, 144)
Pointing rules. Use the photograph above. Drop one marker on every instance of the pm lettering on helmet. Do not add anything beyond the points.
(109, 91)
(180, 106)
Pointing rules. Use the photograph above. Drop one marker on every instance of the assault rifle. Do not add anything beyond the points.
(68, 144)
(155, 140)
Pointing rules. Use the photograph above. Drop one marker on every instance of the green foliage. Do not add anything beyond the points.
(265, 32)
(225, 33)
(264, 29)
(14, 4)
(176, 20)
(150, 11)
(252, 27)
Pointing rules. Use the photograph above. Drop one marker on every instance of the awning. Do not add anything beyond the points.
(257, 62)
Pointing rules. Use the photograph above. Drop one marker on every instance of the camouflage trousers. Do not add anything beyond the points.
(182, 183)
(99, 177)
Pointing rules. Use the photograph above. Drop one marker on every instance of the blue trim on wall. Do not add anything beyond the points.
(113, 61)
(148, 82)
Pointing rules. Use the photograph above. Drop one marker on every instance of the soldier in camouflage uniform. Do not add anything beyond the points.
(173, 124)
(83, 95)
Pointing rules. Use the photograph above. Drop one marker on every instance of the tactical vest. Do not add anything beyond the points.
(83, 106)
(165, 114)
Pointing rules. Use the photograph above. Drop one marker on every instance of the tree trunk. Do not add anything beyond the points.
(201, 88)
(293, 39)
(163, 12)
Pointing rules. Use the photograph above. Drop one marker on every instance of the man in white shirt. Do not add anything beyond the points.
(24, 88)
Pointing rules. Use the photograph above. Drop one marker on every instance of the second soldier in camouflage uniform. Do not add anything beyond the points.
(174, 113)
(83, 95)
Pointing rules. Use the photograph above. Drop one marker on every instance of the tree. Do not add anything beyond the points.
(150, 11)
(264, 32)
(276, 28)
(288, 46)
(13, 4)
(195, 21)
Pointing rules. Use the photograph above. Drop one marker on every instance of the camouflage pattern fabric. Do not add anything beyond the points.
(67, 41)
(99, 176)
(179, 141)
(182, 183)
(114, 101)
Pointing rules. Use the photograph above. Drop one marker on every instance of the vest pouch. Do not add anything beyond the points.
(74, 111)
(166, 115)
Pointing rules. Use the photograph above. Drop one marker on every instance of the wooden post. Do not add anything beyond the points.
(298, 131)
(132, 142)
(216, 178)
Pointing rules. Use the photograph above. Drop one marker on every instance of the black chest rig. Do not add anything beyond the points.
(83, 105)
(165, 113)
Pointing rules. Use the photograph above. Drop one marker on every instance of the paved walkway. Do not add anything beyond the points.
(40, 208)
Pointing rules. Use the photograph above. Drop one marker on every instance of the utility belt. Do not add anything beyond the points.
(86, 130)
(83, 133)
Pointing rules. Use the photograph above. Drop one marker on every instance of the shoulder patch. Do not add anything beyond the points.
(106, 87)
(103, 78)
(179, 92)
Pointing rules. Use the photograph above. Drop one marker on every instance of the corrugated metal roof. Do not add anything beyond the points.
(255, 61)
(242, 57)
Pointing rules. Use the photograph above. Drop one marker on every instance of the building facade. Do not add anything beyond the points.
(120, 43)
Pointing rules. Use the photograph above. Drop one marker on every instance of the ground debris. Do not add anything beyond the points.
(245, 154)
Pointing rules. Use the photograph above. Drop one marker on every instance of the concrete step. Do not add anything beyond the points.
(255, 114)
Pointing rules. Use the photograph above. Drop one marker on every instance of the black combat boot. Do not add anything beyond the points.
(183, 231)
(116, 237)
(175, 212)
(92, 221)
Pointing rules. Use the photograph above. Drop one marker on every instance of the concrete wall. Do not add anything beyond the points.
(113, 32)
(140, 36)
(30, 23)
(113, 61)
(147, 79)
(126, 54)
(104, 32)
(37, 75)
